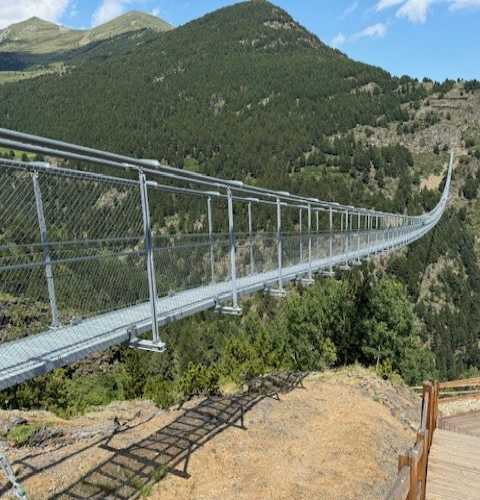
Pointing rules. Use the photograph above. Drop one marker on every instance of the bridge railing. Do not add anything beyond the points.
(411, 482)
(77, 243)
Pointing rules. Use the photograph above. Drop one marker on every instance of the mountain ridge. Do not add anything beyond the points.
(246, 93)
(38, 36)
(244, 68)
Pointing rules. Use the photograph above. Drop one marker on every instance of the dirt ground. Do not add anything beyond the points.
(327, 436)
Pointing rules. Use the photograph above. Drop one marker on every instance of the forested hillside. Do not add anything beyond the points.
(247, 93)
(243, 91)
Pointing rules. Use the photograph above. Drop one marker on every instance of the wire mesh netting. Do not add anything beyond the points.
(71, 241)
(86, 253)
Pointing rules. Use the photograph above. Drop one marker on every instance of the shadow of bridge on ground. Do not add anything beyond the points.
(132, 471)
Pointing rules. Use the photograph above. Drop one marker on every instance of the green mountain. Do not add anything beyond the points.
(36, 36)
(248, 93)
(244, 91)
(129, 22)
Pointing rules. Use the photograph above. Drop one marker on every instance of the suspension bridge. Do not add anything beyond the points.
(92, 251)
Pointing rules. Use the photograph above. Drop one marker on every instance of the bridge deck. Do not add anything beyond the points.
(32, 356)
(468, 423)
(454, 467)
(24, 359)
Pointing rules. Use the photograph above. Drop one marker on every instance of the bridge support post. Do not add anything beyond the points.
(309, 241)
(330, 272)
(330, 219)
(369, 228)
(345, 266)
(347, 227)
(357, 261)
(309, 280)
(46, 251)
(250, 235)
(210, 237)
(235, 309)
(301, 234)
(280, 292)
(152, 283)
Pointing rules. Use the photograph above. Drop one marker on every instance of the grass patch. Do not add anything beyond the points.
(427, 164)
(21, 434)
(192, 165)
(472, 137)
(18, 154)
(159, 473)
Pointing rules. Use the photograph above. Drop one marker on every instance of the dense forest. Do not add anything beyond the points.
(243, 92)
(247, 93)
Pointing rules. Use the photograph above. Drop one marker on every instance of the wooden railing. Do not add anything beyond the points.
(411, 482)
(459, 390)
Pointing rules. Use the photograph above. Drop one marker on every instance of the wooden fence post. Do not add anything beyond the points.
(413, 459)
(416, 460)
(422, 437)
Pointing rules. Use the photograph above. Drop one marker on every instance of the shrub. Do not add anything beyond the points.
(84, 393)
(160, 391)
(198, 380)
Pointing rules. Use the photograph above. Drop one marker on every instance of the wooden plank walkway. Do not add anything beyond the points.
(468, 423)
(454, 467)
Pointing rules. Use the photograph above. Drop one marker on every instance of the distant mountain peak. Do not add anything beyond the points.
(32, 23)
(35, 20)
(37, 36)
(136, 20)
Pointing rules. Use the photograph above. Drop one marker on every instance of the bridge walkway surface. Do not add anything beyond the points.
(117, 247)
(454, 462)
(39, 354)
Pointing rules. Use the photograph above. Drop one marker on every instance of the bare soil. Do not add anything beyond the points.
(335, 435)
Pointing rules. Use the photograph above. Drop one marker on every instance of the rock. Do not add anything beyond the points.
(8, 424)
(44, 435)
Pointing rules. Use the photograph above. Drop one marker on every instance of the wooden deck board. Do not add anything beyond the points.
(469, 423)
(454, 465)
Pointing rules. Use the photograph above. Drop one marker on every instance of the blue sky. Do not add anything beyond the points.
(434, 38)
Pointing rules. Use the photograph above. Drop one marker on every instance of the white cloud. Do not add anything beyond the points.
(109, 9)
(464, 4)
(338, 40)
(386, 4)
(378, 30)
(415, 11)
(19, 10)
(156, 11)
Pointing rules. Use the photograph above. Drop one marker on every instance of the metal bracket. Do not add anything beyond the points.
(307, 281)
(276, 292)
(327, 274)
(144, 345)
(148, 345)
(17, 489)
(229, 310)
